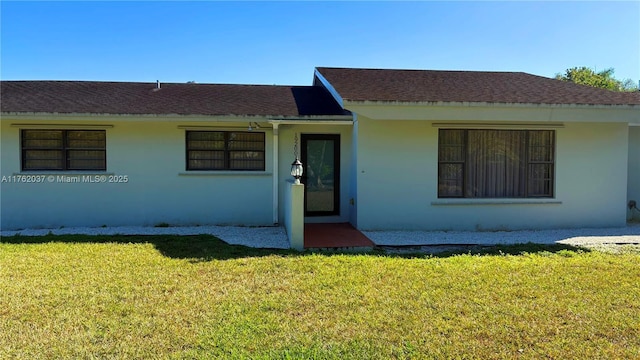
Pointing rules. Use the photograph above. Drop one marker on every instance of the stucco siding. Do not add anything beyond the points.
(388, 172)
(159, 190)
(397, 182)
(353, 176)
(634, 169)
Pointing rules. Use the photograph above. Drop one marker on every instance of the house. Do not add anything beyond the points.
(382, 149)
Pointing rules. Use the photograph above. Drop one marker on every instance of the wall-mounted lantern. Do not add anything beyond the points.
(296, 170)
(296, 167)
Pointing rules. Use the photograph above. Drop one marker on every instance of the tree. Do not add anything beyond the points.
(602, 79)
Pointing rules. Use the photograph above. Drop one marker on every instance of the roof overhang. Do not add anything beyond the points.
(477, 111)
(91, 117)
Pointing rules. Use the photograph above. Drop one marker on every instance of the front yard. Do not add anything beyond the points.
(196, 297)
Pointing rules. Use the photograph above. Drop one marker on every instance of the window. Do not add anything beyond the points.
(495, 163)
(63, 150)
(225, 150)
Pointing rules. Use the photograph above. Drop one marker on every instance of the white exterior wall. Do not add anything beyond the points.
(159, 190)
(634, 169)
(397, 164)
(286, 139)
(353, 176)
(392, 179)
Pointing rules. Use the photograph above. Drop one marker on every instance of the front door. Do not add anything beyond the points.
(321, 160)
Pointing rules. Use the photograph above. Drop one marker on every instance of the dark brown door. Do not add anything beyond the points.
(321, 160)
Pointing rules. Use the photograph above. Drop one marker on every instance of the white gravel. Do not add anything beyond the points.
(276, 237)
(273, 237)
(625, 235)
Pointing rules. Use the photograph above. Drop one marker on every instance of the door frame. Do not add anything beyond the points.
(336, 171)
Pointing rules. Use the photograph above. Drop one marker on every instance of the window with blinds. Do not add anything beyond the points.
(496, 163)
(225, 150)
(63, 150)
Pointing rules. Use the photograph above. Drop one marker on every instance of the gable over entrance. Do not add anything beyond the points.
(444, 150)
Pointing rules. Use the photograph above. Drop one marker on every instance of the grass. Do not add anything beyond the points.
(197, 297)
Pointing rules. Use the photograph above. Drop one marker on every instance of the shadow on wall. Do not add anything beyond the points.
(634, 211)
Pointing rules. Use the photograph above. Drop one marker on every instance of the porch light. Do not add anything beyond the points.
(296, 170)
(296, 166)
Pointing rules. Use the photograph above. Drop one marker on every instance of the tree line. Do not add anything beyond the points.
(602, 79)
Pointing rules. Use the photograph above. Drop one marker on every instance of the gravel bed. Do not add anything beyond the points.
(579, 237)
(270, 237)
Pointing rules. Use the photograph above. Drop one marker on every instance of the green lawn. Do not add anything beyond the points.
(196, 297)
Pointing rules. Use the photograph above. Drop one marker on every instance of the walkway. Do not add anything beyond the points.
(325, 236)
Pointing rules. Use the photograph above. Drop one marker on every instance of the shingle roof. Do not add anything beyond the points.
(465, 86)
(182, 99)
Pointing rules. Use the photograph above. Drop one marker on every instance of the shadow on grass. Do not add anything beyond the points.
(198, 248)
(194, 247)
(483, 250)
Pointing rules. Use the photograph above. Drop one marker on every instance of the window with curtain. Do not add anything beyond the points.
(225, 150)
(495, 163)
(63, 150)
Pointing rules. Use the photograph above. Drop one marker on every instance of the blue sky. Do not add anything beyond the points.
(281, 42)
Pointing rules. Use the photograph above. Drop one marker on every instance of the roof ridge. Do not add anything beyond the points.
(423, 70)
(147, 83)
